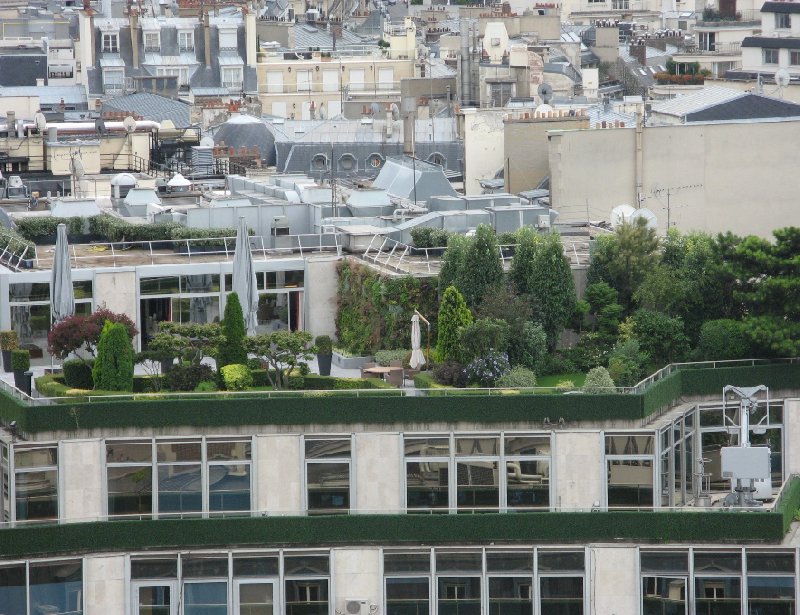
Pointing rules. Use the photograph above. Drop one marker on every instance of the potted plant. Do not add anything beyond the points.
(20, 363)
(8, 342)
(324, 354)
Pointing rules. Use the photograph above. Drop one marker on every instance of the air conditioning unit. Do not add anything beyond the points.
(543, 222)
(356, 606)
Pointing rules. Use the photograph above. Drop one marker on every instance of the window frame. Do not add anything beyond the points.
(332, 460)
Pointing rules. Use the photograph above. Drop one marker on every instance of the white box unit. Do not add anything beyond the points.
(543, 222)
(356, 606)
(745, 462)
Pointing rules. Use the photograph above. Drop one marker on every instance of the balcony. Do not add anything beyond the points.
(712, 18)
(712, 49)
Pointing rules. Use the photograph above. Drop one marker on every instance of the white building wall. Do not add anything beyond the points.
(483, 146)
(791, 426)
(356, 575)
(321, 281)
(615, 579)
(579, 479)
(81, 476)
(104, 581)
(117, 290)
(279, 475)
(378, 472)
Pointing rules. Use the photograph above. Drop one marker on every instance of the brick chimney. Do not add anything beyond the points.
(640, 53)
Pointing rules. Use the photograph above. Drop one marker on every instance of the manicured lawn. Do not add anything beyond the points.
(577, 379)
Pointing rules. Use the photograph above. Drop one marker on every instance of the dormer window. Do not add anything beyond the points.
(227, 39)
(110, 42)
(152, 41)
(783, 21)
(186, 40)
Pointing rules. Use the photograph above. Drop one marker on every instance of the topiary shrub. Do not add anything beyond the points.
(385, 357)
(187, 377)
(519, 377)
(453, 316)
(565, 385)
(324, 344)
(237, 377)
(20, 360)
(113, 368)
(9, 340)
(206, 386)
(78, 374)
(450, 373)
(232, 350)
(598, 380)
(488, 369)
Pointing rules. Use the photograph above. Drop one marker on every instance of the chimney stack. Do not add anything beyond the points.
(207, 37)
(133, 19)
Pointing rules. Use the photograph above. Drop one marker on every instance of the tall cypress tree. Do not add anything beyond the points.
(232, 350)
(551, 287)
(453, 316)
(113, 368)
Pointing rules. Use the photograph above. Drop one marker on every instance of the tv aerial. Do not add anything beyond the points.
(782, 79)
(77, 171)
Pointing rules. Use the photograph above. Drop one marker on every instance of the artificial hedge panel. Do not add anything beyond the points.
(659, 527)
(662, 393)
(790, 503)
(777, 376)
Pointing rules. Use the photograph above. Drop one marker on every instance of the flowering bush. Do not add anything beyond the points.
(667, 78)
(488, 369)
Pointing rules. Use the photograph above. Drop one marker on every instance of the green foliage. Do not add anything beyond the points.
(374, 312)
(723, 339)
(773, 336)
(186, 341)
(626, 363)
(450, 373)
(117, 230)
(591, 351)
(78, 374)
(208, 386)
(282, 352)
(236, 377)
(324, 345)
(187, 377)
(453, 316)
(598, 380)
(384, 357)
(38, 228)
(551, 287)
(600, 295)
(453, 261)
(232, 349)
(504, 304)
(521, 270)
(660, 336)
(427, 237)
(20, 360)
(483, 335)
(15, 244)
(9, 340)
(487, 369)
(518, 377)
(529, 348)
(113, 368)
(482, 269)
(79, 332)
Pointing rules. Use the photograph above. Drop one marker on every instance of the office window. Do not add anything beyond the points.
(13, 589)
(36, 483)
(228, 475)
(527, 460)
(56, 587)
(629, 467)
(129, 468)
(186, 41)
(303, 80)
(111, 42)
(770, 56)
(783, 21)
(328, 474)
(794, 58)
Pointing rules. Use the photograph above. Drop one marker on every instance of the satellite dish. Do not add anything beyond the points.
(647, 215)
(129, 123)
(546, 92)
(375, 108)
(621, 214)
(76, 168)
(323, 114)
(782, 78)
(207, 141)
(395, 112)
(40, 121)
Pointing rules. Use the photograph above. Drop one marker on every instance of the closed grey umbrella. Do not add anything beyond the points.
(244, 278)
(417, 356)
(62, 296)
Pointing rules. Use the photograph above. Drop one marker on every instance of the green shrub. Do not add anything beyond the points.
(626, 363)
(552, 364)
(385, 357)
(232, 350)
(113, 368)
(565, 385)
(424, 380)
(9, 340)
(450, 373)
(20, 360)
(426, 237)
(519, 377)
(324, 345)
(206, 386)
(236, 377)
(723, 339)
(482, 336)
(187, 377)
(50, 386)
(488, 369)
(453, 316)
(78, 374)
(37, 228)
(598, 380)
(530, 348)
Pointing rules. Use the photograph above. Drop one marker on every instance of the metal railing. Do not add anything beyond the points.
(712, 49)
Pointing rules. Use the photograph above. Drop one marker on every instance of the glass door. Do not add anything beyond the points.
(253, 597)
(155, 598)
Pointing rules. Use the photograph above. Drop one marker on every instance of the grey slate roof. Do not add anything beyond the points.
(768, 42)
(307, 36)
(72, 95)
(22, 68)
(151, 107)
(780, 7)
(746, 107)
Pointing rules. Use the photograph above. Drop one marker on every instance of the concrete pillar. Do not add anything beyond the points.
(279, 472)
(117, 290)
(81, 476)
(580, 478)
(356, 576)
(321, 282)
(615, 579)
(791, 426)
(104, 580)
(379, 469)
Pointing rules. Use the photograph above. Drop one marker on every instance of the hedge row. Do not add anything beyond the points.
(789, 505)
(16, 244)
(661, 527)
(117, 229)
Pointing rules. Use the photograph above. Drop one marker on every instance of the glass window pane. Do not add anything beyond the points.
(477, 446)
(37, 495)
(426, 484)
(322, 449)
(306, 565)
(119, 452)
(200, 283)
(664, 561)
(161, 568)
(630, 483)
(459, 596)
(407, 596)
(528, 445)
(770, 562)
(561, 595)
(197, 310)
(35, 457)
(229, 487)
(307, 597)
(56, 587)
(511, 596)
(662, 595)
(130, 490)
(31, 291)
(406, 562)
(205, 598)
(154, 600)
(179, 451)
(725, 561)
(770, 595)
(228, 450)
(32, 324)
(13, 591)
(256, 598)
(159, 286)
(82, 289)
(256, 566)
(179, 489)
(427, 447)
(478, 485)
(560, 561)
(629, 444)
(273, 313)
(516, 561)
(468, 561)
(199, 567)
(328, 486)
(528, 484)
(722, 595)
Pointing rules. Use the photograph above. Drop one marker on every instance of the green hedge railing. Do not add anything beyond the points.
(564, 528)
(327, 408)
